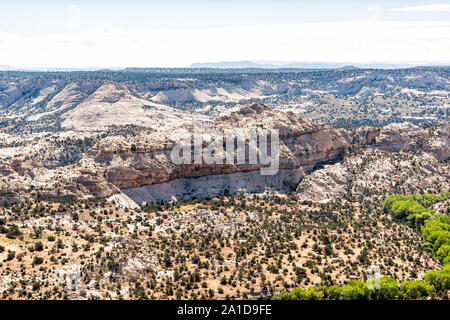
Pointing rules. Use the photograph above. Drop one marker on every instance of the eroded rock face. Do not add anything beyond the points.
(213, 185)
(143, 166)
(376, 173)
(139, 164)
(330, 182)
(365, 135)
(408, 137)
(134, 267)
(145, 172)
(397, 158)
(242, 90)
(439, 142)
(399, 136)
(113, 104)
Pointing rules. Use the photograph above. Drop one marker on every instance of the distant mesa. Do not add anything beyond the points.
(308, 65)
(268, 65)
(6, 68)
(81, 69)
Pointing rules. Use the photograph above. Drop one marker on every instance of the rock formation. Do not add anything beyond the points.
(148, 164)
(397, 158)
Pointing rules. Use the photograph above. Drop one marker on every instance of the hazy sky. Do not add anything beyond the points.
(175, 33)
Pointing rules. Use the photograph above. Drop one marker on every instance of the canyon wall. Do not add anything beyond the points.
(143, 170)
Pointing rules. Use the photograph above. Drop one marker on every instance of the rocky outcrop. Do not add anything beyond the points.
(376, 174)
(327, 183)
(242, 90)
(364, 136)
(142, 167)
(145, 172)
(318, 161)
(113, 104)
(409, 137)
(399, 136)
(209, 186)
(439, 142)
(399, 158)
(95, 183)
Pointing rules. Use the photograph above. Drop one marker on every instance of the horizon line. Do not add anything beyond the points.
(269, 65)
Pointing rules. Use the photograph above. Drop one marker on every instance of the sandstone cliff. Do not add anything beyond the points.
(369, 161)
(134, 162)
(397, 158)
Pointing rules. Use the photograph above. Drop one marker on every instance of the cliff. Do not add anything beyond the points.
(140, 161)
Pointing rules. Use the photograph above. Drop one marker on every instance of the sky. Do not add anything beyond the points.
(175, 33)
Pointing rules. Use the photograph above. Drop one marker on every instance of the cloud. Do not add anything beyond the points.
(73, 19)
(356, 41)
(374, 12)
(427, 8)
(90, 43)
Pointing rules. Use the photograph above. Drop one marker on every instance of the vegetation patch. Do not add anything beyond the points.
(416, 211)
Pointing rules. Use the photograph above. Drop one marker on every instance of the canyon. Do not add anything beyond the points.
(92, 204)
(317, 161)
